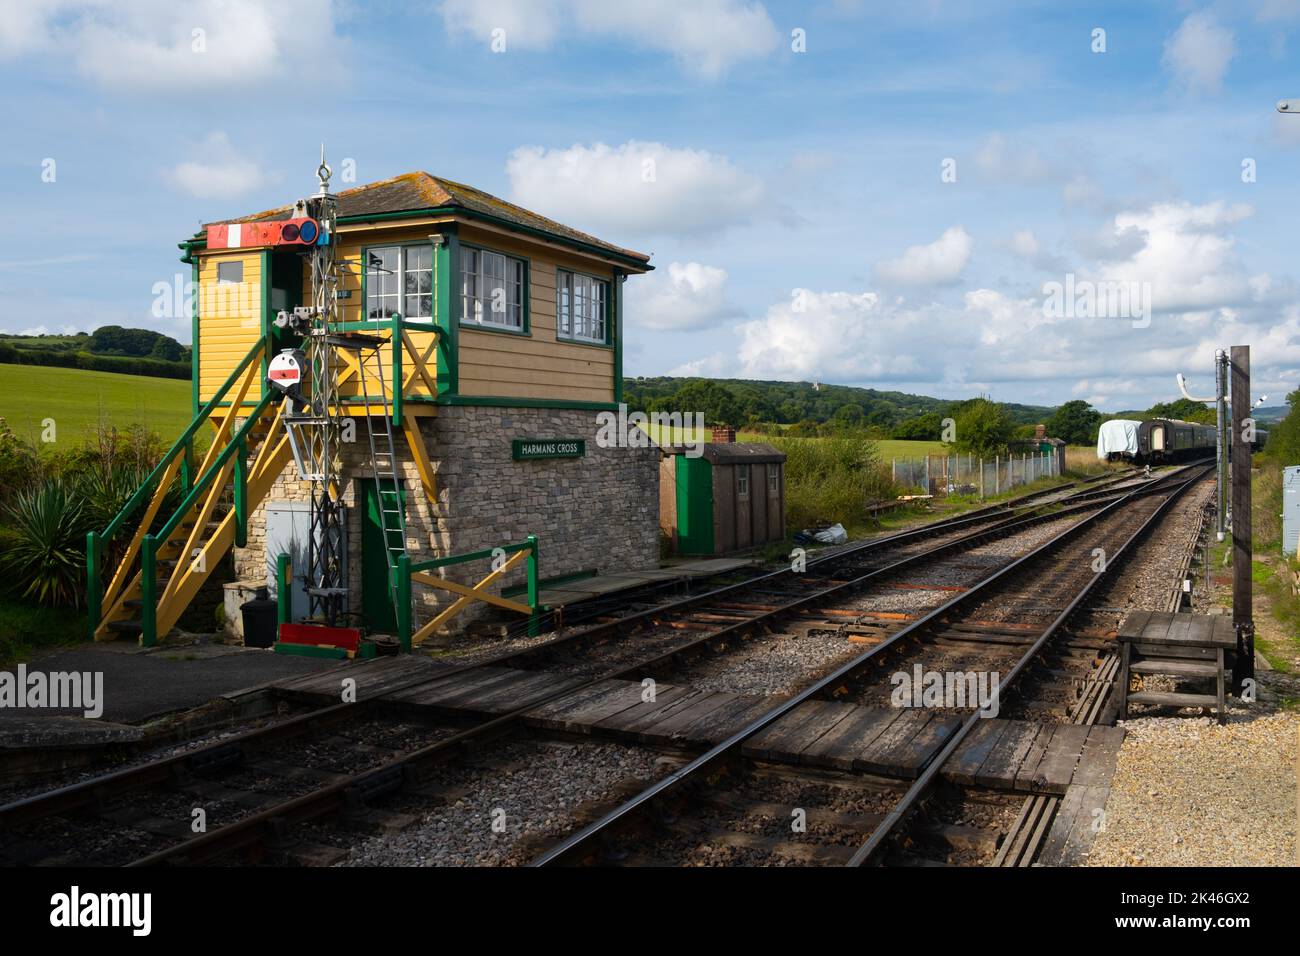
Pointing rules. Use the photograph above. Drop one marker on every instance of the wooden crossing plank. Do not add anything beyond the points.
(786, 738)
(1074, 827)
(965, 763)
(1003, 761)
(727, 721)
(697, 709)
(644, 710)
(620, 699)
(459, 687)
(1056, 769)
(837, 747)
(1034, 756)
(555, 715)
(882, 754)
(1099, 758)
(538, 685)
(921, 749)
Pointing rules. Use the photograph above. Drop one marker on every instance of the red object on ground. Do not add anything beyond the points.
(348, 638)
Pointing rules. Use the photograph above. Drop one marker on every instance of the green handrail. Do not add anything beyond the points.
(236, 442)
(186, 436)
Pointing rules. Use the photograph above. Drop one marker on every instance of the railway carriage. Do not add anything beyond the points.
(1161, 440)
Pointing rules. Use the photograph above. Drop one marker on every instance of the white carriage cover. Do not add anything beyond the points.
(1119, 436)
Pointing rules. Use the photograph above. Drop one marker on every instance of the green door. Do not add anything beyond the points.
(694, 505)
(376, 598)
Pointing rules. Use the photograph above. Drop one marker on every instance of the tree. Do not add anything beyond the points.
(982, 427)
(1183, 409)
(715, 401)
(927, 427)
(1075, 423)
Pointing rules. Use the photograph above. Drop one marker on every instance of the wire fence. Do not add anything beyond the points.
(943, 475)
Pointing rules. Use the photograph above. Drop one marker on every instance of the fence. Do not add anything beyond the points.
(968, 475)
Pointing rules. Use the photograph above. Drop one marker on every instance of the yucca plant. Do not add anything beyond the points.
(45, 558)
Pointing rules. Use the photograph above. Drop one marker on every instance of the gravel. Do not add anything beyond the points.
(1189, 792)
(535, 789)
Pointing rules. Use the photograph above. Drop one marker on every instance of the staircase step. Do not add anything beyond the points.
(1168, 699)
(126, 627)
(1174, 668)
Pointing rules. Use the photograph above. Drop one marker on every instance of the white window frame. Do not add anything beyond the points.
(476, 296)
(773, 480)
(401, 295)
(742, 481)
(567, 283)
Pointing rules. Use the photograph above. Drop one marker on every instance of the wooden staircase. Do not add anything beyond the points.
(1188, 647)
(163, 566)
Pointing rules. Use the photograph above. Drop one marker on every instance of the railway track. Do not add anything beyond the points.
(255, 792)
(721, 793)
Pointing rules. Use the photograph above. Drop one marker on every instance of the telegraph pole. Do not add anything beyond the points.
(1242, 424)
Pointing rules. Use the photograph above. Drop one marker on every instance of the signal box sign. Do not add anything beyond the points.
(532, 449)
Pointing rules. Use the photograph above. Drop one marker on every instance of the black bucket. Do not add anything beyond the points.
(261, 621)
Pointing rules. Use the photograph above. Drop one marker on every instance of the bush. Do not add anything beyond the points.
(831, 479)
(44, 561)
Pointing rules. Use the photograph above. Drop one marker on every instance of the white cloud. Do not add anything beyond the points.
(938, 263)
(635, 189)
(685, 296)
(222, 173)
(162, 45)
(1186, 253)
(1198, 53)
(707, 36)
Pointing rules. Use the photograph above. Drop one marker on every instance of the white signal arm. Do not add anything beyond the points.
(1182, 387)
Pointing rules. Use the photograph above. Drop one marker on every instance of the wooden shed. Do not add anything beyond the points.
(728, 498)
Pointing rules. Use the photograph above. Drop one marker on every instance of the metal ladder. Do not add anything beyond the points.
(383, 455)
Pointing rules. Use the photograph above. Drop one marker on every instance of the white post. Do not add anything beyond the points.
(997, 466)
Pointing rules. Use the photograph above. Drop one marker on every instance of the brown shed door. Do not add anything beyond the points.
(744, 506)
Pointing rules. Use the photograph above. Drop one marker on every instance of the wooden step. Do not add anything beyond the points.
(1175, 668)
(126, 627)
(1169, 699)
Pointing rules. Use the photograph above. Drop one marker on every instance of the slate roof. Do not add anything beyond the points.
(420, 190)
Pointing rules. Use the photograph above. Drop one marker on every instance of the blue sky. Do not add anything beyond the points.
(797, 213)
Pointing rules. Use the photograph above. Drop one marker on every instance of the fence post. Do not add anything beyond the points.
(404, 601)
(996, 467)
(534, 620)
(94, 586)
(241, 494)
(981, 478)
(893, 470)
(283, 594)
(927, 473)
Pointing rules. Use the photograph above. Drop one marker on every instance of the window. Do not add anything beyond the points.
(742, 481)
(491, 289)
(580, 307)
(399, 279)
(230, 272)
(774, 481)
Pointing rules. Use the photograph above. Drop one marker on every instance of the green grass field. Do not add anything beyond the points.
(888, 447)
(77, 400)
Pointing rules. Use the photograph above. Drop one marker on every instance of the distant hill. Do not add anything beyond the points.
(744, 400)
(77, 401)
(1272, 413)
(110, 348)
